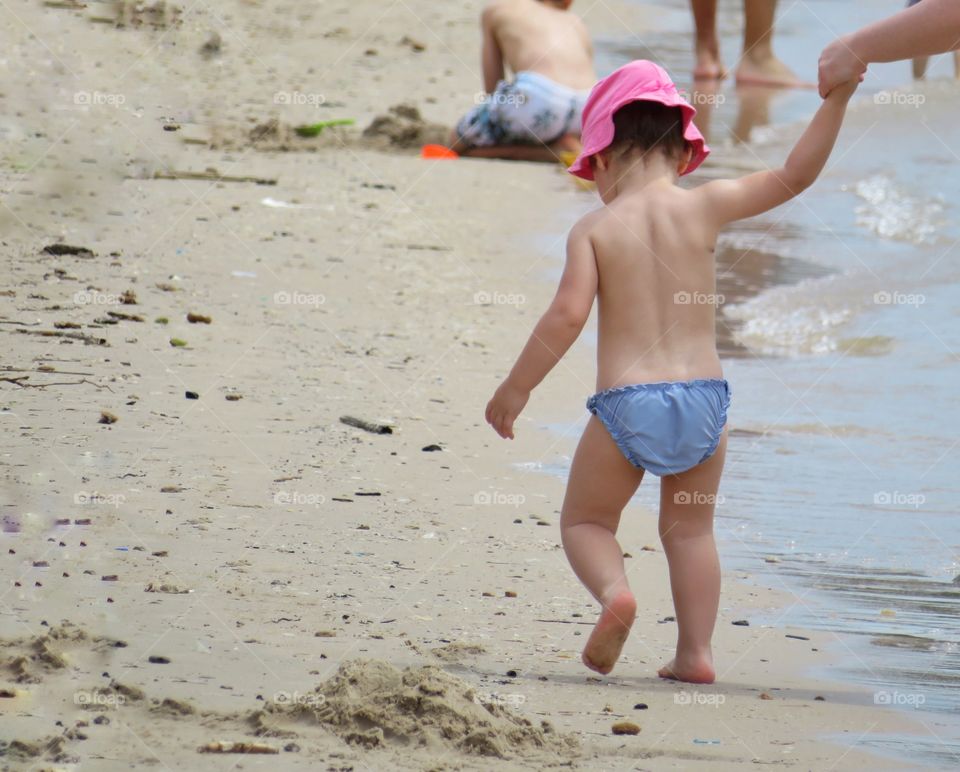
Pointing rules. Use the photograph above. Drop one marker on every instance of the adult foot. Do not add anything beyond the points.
(768, 71)
(610, 633)
(695, 670)
(708, 66)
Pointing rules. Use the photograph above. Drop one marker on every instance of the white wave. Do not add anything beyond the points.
(894, 214)
(790, 320)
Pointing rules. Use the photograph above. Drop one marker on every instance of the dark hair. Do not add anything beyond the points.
(647, 125)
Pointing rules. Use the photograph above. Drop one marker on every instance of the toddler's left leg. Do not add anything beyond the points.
(601, 483)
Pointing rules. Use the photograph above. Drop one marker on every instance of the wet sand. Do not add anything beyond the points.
(198, 556)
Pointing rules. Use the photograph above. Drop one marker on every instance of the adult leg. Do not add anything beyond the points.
(758, 64)
(707, 44)
(601, 483)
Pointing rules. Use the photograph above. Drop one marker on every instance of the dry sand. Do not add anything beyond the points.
(242, 572)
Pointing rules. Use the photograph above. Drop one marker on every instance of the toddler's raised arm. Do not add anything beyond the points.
(729, 200)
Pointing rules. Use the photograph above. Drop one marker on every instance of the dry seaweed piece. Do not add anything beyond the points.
(367, 426)
(88, 339)
(125, 317)
(67, 249)
(106, 417)
(240, 747)
(198, 318)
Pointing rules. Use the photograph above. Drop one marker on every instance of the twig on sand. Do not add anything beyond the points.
(90, 340)
(21, 382)
(41, 370)
(211, 175)
(563, 622)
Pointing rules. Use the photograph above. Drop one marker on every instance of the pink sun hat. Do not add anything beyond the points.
(638, 81)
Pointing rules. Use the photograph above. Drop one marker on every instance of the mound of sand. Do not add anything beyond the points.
(373, 704)
(403, 127)
(455, 652)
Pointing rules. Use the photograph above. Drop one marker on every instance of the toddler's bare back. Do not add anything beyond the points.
(656, 289)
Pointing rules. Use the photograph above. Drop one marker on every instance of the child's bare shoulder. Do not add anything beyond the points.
(586, 230)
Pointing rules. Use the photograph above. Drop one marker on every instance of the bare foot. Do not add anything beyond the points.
(768, 71)
(610, 633)
(708, 66)
(695, 671)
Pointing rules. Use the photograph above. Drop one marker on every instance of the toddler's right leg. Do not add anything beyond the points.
(601, 483)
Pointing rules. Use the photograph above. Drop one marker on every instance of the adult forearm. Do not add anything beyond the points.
(930, 27)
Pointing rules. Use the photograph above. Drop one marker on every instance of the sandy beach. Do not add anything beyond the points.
(199, 558)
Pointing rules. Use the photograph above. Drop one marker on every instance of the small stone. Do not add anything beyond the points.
(509, 594)
(106, 417)
(772, 559)
(325, 634)
(820, 698)
(741, 622)
(641, 706)
(625, 727)
(233, 397)
(431, 448)
(156, 659)
(191, 395)
(109, 578)
(648, 548)
(487, 594)
(765, 696)
(627, 555)
(511, 674)
(198, 318)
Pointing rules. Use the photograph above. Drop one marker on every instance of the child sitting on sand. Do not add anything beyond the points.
(535, 116)
(661, 406)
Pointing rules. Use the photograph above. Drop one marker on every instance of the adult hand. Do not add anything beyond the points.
(839, 64)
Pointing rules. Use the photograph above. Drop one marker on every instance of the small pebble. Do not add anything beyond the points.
(765, 696)
(191, 395)
(741, 623)
(158, 660)
(641, 706)
(509, 594)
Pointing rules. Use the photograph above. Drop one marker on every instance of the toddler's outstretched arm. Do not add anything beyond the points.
(729, 200)
(556, 331)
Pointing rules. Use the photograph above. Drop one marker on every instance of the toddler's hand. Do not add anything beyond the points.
(504, 408)
(846, 89)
